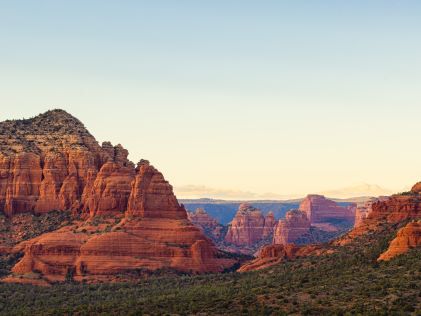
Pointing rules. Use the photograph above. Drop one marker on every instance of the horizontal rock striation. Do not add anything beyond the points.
(288, 230)
(319, 210)
(129, 217)
(249, 226)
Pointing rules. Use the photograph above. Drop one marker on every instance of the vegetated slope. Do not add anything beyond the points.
(349, 280)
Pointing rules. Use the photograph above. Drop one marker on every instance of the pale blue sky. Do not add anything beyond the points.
(287, 97)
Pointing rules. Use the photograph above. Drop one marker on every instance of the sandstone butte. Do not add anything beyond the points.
(288, 230)
(249, 226)
(316, 211)
(407, 238)
(206, 223)
(320, 210)
(51, 162)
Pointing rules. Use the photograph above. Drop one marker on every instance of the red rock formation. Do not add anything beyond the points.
(201, 218)
(52, 162)
(206, 223)
(397, 208)
(155, 234)
(152, 196)
(24, 177)
(294, 226)
(247, 226)
(408, 237)
(111, 190)
(416, 188)
(269, 226)
(275, 254)
(389, 210)
(319, 209)
(363, 210)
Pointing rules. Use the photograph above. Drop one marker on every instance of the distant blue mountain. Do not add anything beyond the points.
(224, 212)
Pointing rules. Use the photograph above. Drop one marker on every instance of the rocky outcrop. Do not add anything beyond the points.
(288, 230)
(110, 191)
(363, 210)
(269, 226)
(207, 224)
(275, 254)
(396, 208)
(407, 238)
(129, 218)
(152, 196)
(319, 210)
(154, 234)
(247, 226)
(387, 210)
(416, 188)
(51, 162)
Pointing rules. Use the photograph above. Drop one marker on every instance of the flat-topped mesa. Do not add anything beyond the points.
(407, 238)
(50, 162)
(319, 209)
(295, 225)
(152, 196)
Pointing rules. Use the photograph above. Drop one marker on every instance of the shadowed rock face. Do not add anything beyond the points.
(288, 230)
(53, 163)
(207, 224)
(408, 237)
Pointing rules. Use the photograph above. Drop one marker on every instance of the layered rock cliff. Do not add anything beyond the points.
(249, 227)
(320, 210)
(129, 218)
(288, 230)
(51, 162)
(363, 210)
(207, 224)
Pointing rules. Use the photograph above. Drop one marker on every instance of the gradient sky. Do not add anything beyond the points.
(279, 97)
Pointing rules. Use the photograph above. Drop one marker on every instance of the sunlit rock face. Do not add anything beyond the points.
(319, 209)
(125, 218)
(407, 238)
(249, 226)
(288, 230)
